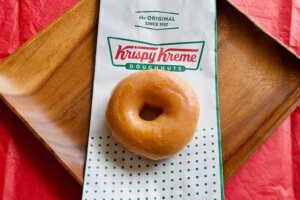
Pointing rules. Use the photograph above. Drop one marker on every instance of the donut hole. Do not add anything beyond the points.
(150, 113)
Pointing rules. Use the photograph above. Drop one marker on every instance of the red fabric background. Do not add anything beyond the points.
(21, 19)
(28, 170)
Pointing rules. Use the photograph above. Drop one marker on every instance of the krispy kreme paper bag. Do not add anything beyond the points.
(173, 35)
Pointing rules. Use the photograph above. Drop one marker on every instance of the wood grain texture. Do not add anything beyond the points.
(258, 86)
(48, 81)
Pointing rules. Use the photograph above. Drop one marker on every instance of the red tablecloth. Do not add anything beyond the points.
(28, 170)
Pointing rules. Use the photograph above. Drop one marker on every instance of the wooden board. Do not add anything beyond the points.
(47, 83)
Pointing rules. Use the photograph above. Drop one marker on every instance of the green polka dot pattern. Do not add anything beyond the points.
(112, 172)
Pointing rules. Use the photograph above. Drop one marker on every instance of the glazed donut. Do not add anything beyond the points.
(168, 133)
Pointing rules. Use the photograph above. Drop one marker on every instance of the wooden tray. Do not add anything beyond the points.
(47, 83)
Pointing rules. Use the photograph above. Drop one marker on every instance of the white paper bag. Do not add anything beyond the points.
(173, 35)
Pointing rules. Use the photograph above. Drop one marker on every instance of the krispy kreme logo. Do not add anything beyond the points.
(138, 55)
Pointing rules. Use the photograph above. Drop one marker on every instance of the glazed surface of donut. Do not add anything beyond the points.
(169, 132)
